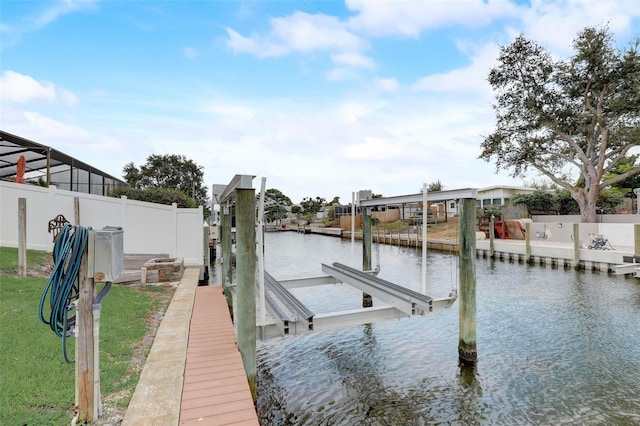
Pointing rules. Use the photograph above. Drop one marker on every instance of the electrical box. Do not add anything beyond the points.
(108, 253)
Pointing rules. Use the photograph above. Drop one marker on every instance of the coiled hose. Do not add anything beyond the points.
(62, 286)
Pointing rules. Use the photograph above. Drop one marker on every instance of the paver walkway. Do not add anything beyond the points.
(215, 390)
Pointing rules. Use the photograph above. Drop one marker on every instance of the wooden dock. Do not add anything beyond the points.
(215, 391)
(194, 372)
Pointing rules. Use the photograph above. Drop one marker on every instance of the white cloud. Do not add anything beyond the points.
(387, 84)
(299, 32)
(189, 52)
(353, 59)
(341, 74)
(224, 109)
(355, 111)
(20, 88)
(471, 79)
(556, 24)
(53, 11)
(408, 18)
(373, 149)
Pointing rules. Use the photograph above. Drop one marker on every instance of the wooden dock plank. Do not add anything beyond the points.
(215, 390)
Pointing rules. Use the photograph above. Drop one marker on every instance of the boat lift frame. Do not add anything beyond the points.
(289, 316)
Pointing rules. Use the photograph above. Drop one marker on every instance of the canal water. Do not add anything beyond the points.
(554, 346)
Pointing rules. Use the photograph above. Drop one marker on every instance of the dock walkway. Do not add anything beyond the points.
(215, 391)
(194, 372)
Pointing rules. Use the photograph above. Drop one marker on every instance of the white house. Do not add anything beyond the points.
(491, 196)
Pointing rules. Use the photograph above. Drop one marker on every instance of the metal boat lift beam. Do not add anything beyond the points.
(301, 313)
(417, 198)
(408, 301)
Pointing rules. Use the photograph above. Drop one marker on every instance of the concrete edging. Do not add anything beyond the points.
(158, 394)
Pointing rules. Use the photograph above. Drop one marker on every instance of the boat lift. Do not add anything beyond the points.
(289, 316)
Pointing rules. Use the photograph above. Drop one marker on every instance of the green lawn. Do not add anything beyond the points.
(9, 259)
(37, 387)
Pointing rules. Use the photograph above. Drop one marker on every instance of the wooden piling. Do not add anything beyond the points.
(22, 237)
(636, 239)
(467, 352)
(576, 246)
(246, 278)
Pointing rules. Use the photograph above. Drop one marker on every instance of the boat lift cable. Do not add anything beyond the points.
(62, 288)
(453, 271)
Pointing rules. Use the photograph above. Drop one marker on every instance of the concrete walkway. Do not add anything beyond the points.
(158, 395)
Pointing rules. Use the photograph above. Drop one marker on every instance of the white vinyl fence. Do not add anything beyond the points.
(149, 228)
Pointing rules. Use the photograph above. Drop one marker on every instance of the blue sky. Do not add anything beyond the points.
(320, 97)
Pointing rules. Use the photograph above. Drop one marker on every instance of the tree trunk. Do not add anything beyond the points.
(587, 200)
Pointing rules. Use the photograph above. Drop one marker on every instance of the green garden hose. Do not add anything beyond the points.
(62, 286)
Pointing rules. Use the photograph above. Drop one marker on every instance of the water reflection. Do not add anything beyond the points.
(554, 347)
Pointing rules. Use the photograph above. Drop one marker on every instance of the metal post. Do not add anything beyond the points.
(492, 224)
(225, 243)
(22, 237)
(366, 239)
(263, 317)
(424, 239)
(367, 301)
(246, 276)
(527, 242)
(353, 227)
(206, 259)
(467, 352)
(48, 167)
(576, 246)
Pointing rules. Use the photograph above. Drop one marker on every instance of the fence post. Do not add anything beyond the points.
(246, 275)
(22, 237)
(76, 210)
(173, 232)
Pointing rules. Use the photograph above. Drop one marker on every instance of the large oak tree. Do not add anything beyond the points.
(169, 171)
(572, 120)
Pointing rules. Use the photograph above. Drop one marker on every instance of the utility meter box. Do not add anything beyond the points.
(108, 254)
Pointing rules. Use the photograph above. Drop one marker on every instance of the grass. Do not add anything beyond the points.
(437, 231)
(9, 259)
(37, 387)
